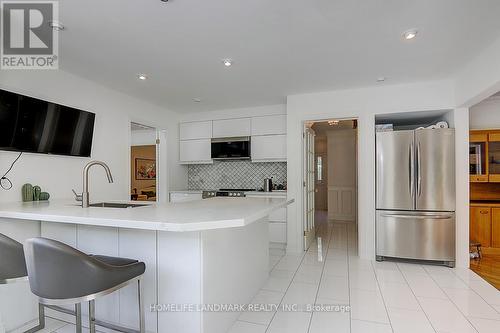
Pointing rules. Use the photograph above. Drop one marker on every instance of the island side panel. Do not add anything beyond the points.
(179, 280)
(67, 234)
(140, 245)
(121, 306)
(17, 303)
(235, 267)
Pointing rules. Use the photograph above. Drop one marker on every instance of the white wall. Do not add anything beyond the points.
(342, 153)
(114, 111)
(480, 78)
(486, 114)
(143, 137)
(473, 83)
(363, 104)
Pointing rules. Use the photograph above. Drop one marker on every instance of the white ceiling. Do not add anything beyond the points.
(279, 47)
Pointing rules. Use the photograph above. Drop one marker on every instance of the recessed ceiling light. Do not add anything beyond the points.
(410, 34)
(142, 77)
(227, 62)
(197, 100)
(381, 79)
(57, 26)
(333, 122)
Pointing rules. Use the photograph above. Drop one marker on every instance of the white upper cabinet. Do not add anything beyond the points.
(268, 148)
(268, 125)
(231, 128)
(195, 151)
(195, 130)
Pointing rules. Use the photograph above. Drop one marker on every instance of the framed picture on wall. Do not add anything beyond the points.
(145, 169)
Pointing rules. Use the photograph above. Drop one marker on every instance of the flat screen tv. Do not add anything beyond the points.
(31, 125)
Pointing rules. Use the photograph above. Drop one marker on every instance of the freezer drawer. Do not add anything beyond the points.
(416, 235)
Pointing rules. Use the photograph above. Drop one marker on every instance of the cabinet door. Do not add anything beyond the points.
(195, 130)
(495, 227)
(278, 215)
(195, 151)
(478, 157)
(277, 232)
(480, 225)
(228, 128)
(269, 125)
(494, 158)
(268, 148)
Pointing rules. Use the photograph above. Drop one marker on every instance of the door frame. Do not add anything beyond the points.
(302, 192)
(308, 180)
(161, 160)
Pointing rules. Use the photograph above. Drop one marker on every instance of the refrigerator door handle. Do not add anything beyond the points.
(419, 217)
(411, 169)
(419, 171)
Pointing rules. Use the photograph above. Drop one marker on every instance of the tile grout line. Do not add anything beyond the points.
(470, 289)
(418, 301)
(321, 275)
(432, 278)
(468, 286)
(349, 283)
(284, 294)
(381, 295)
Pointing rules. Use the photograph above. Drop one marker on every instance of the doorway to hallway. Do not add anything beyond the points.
(334, 181)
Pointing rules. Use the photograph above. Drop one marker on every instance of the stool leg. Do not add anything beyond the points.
(78, 318)
(92, 316)
(41, 320)
(41, 316)
(140, 294)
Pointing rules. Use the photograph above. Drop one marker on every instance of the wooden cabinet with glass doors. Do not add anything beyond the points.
(484, 156)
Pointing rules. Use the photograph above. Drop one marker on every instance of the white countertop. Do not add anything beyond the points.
(214, 213)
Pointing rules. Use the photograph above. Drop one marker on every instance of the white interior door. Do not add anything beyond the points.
(309, 185)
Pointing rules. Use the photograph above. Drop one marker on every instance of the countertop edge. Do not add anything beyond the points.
(142, 224)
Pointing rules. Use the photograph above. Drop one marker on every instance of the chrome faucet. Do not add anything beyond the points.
(85, 195)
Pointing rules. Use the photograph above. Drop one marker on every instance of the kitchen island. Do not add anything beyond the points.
(198, 254)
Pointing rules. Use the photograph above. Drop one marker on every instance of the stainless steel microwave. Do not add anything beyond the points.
(231, 148)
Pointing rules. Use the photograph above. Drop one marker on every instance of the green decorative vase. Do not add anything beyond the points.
(36, 192)
(27, 192)
(44, 196)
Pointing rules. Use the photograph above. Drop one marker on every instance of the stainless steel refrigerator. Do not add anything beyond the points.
(415, 174)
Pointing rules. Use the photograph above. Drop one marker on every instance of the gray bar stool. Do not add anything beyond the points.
(60, 275)
(13, 270)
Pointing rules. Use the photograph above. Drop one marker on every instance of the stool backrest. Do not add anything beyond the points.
(12, 263)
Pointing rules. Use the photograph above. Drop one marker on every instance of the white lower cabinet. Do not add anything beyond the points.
(184, 197)
(268, 148)
(277, 226)
(277, 232)
(277, 222)
(195, 151)
(120, 307)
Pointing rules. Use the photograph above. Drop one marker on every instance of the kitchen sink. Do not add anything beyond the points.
(116, 205)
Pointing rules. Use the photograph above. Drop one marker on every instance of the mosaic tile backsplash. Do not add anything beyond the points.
(234, 174)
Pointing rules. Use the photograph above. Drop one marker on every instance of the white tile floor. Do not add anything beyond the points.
(384, 297)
